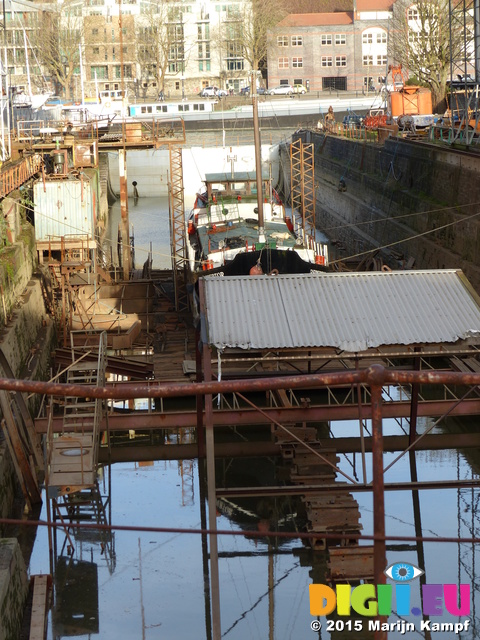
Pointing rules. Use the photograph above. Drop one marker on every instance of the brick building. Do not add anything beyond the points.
(342, 50)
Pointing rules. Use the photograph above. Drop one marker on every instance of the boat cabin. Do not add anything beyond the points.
(233, 185)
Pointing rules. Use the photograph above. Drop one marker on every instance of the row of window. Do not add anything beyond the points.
(295, 41)
(339, 39)
(341, 61)
(100, 72)
(284, 63)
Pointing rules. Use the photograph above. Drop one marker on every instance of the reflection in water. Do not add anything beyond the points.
(75, 609)
(263, 584)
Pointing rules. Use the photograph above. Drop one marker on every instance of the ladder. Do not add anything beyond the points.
(72, 456)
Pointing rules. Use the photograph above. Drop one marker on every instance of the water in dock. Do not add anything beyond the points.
(146, 584)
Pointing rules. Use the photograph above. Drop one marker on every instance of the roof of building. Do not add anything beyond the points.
(374, 5)
(318, 6)
(316, 19)
(348, 311)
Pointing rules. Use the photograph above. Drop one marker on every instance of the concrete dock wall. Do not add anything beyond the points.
(13, 589)
(417, 201)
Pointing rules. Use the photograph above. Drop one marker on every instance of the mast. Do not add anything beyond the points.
(27, 65)
(258, 159)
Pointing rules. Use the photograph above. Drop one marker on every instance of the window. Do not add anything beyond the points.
(235, 65)
(412, 13)
(95, 50)
(297, 63)
(282, 41)
(327, 61)
(382, 37)
(94, 32)
(100, 73)
(297, 41)
(340, 39)
(367, 61)
(367, 38)
(340, 61)
(382, 60)
(127, 71)
(326, 39)
(283, 63)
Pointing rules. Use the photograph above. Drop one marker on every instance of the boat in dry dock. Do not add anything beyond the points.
(238, 226)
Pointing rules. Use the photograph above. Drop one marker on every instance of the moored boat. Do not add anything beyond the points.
(234, 230)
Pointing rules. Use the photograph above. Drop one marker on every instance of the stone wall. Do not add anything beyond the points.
(13, 589)
(418, 202)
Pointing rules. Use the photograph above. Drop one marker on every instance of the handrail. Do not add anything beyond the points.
(14, 175)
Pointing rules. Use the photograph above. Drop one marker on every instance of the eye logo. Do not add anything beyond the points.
(403, 572)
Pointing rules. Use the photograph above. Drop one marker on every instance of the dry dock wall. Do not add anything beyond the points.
(419, 199)
(13, 589)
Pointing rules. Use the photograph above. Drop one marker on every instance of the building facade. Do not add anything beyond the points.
(344, 51)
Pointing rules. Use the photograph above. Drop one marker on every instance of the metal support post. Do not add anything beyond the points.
(211, 491)
(376, 379)
(122, 170)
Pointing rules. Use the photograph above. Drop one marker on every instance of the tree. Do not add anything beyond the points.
(57, 42)
(161, 43)
(245, 34)
(420, 41)
(152, 44)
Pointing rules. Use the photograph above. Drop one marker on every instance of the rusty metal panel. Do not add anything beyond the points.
(348, 311)
(64, 208)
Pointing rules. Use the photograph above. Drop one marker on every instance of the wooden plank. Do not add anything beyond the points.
(19, 400)
(19, 453)
(351, 563)
(42, 585)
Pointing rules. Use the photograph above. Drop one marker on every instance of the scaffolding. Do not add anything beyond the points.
(464, 58)
(303, 185)
(177, 229)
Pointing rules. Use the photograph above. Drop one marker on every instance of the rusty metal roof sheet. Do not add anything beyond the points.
(348, 311)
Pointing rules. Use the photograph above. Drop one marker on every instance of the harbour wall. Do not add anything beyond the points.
(26, 338)
(416, 201)
(13, 589)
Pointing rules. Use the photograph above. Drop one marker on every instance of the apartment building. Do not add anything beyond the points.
(341, 50)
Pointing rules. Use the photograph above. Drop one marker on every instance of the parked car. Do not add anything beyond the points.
(211, 92)
(299, 88)
(246, 91)
(282, 90)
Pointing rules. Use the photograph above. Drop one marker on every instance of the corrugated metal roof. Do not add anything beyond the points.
(347, 311)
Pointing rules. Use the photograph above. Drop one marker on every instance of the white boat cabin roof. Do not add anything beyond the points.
(237, 183)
